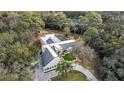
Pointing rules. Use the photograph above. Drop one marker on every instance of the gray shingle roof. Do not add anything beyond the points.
(61, 38)
(50, 41)
(67, 45)
(46, 57)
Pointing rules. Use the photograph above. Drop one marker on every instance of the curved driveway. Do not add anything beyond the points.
(85, 71)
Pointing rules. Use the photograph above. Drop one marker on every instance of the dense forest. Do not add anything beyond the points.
(17, 49)
(102, 31)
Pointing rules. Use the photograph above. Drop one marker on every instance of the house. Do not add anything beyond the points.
(52, 49)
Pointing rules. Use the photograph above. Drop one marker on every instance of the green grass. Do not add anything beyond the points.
(71, 76)
(68, 57)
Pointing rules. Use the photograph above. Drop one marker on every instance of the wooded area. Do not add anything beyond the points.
(103, 33)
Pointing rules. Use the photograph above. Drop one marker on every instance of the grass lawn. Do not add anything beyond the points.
(71, 76)
(68, 57)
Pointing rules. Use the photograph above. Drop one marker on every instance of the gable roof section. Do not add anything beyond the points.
(62, 43)
(49, 41)
(67, 45)
(47, 56)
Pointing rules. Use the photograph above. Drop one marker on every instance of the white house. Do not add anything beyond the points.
(52, 48)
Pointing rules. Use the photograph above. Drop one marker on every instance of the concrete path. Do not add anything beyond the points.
(41, 76)
(85, 71)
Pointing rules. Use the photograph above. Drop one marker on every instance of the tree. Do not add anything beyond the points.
(7, 38)
(17, 50)
(87, 55)
(86, 21)
(96, 42)
(66, 31)
(63, 67)
(74, 14)
(91, 19)
(57, 21)
(90, 32)
(2, 24)
(77, 48)
(112, 68)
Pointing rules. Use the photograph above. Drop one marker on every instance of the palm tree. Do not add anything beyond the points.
(63, 67)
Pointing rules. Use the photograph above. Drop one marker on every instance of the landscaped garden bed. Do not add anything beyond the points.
(68, 57)
(71, 76)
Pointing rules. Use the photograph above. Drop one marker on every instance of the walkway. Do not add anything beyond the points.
(41, 76)
(85, 71)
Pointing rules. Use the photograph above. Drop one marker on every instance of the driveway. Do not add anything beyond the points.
(85, 71)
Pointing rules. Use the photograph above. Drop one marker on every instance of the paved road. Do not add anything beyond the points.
(85, 71)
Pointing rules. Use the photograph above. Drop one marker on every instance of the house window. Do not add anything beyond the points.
(54, 66)
(47, 68)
